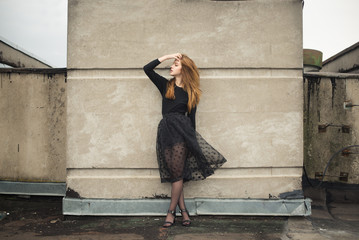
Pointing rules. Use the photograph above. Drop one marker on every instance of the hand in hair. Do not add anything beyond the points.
(176, 56)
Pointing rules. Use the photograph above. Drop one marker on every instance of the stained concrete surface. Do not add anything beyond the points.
(251, 110)
(41, 217)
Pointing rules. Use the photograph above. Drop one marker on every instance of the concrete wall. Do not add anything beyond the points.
(250, 56)
(13, 56)
(347, 61)
(324, 101)
(32, 125)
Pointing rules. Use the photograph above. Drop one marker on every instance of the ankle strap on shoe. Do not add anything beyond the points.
(172, 212)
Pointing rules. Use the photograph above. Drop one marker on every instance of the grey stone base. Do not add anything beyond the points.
(197, 206)
(33, 188)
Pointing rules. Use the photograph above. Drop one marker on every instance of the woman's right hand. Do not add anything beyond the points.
(176, 56)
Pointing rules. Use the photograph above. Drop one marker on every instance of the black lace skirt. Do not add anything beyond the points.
(182, 153)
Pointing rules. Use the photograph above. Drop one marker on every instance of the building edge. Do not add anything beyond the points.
(196, 207)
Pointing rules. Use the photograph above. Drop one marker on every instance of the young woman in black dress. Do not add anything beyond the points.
(182, 153)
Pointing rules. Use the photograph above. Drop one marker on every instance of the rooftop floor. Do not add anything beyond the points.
(33, 217)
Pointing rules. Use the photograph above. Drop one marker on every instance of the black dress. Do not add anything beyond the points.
(181, 151)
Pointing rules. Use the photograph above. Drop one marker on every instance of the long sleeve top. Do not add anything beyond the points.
(177, 105)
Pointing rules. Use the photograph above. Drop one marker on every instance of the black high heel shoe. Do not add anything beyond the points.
(170, 223)
(185, 223)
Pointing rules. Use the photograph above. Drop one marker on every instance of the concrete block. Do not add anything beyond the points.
(223, 34)
(33, 126)
(134, 184)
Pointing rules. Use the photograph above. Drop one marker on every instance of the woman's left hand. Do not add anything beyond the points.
(176, 56)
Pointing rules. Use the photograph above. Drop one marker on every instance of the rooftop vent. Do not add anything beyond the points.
(312, 60)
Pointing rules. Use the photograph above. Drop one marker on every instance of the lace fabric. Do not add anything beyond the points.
(182, 153)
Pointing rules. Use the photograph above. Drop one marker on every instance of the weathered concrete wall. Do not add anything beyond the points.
(32, 125)
(14, 57)
(216, 34)
(250, 56)
(347, 61)
(324, 101)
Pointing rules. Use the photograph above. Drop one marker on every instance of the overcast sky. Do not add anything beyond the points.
(39, 26)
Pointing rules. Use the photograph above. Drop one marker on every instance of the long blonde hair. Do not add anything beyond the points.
(190, 80)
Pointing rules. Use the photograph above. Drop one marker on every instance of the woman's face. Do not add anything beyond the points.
(176, 68)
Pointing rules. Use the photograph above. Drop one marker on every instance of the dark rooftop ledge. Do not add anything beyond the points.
(34, 70)
(331, 75)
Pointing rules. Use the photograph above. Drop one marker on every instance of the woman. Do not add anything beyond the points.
(182, 154)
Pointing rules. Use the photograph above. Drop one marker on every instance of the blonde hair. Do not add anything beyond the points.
(190, 80)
